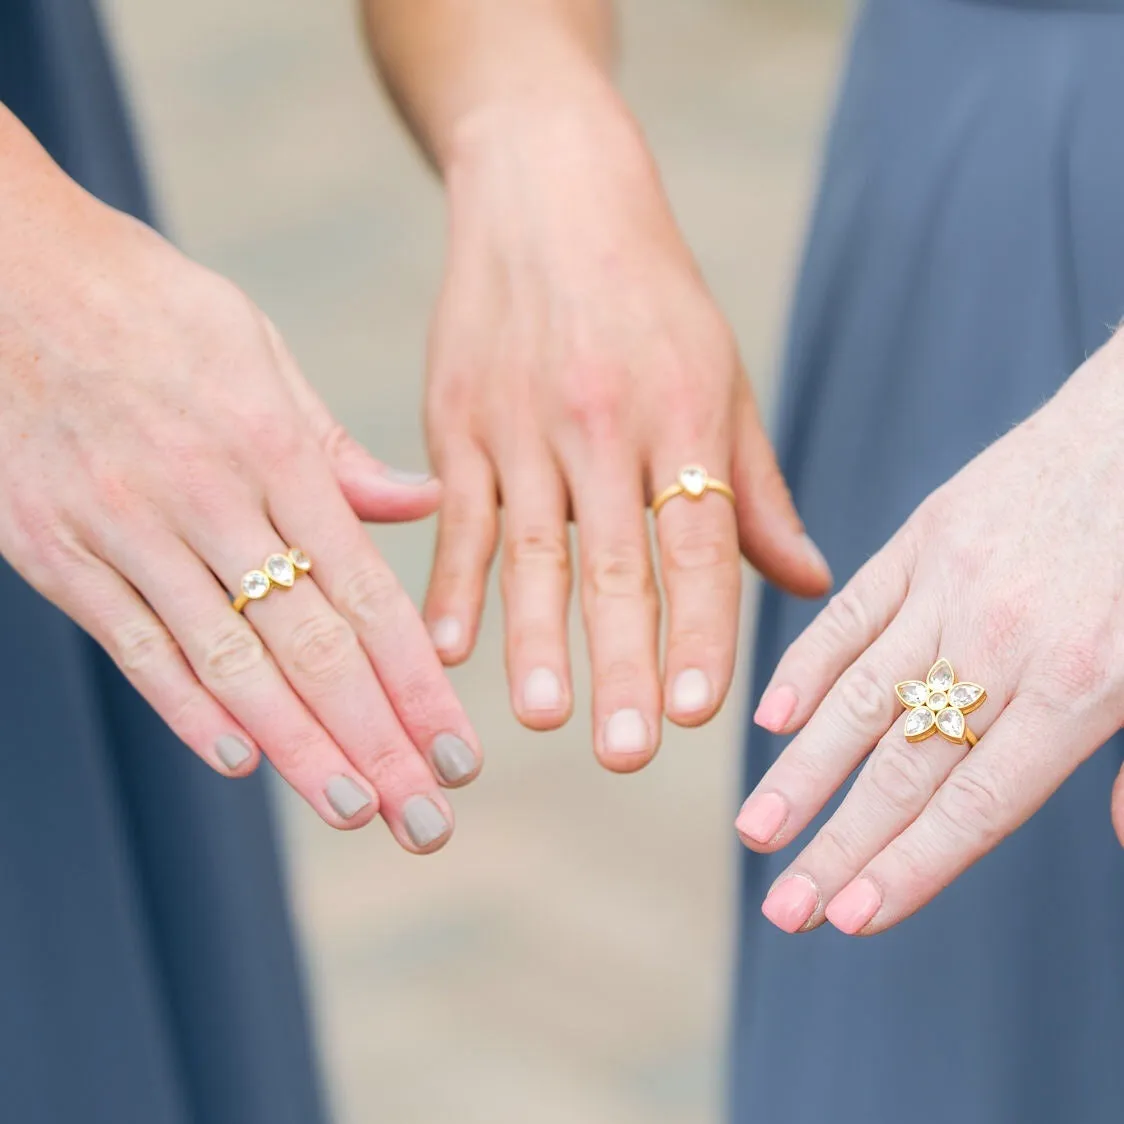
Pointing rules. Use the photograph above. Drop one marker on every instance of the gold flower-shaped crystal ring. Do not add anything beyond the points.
(938, 705)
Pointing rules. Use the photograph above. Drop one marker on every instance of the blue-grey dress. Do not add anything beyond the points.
(966, 253)
(147, 974)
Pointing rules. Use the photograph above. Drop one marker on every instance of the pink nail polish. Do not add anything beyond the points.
(776, 709)
(790, 903)
(762, 816)
(854, 906)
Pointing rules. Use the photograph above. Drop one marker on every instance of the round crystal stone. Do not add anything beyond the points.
(964, 694)
(300, 559)
(938, 701)
(280, 569)
(951, 722)
(693, 480)
(255, 585)
(918, 721)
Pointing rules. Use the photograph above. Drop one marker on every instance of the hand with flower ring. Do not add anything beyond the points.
(156, 442)
(1012, 571)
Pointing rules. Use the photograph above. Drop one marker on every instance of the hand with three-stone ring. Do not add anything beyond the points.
(161, 455)
(999, 603)
(579, 369)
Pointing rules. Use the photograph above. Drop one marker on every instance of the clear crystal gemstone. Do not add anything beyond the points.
(913, 693)
(941, 676)
(255, 584)
(918, 721)
(938, 700)
(951, 722)
(280, 569)
(964, 694)
(300, 559)
(693, 480)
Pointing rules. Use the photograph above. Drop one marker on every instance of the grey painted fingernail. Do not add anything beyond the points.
(424, 822)
(346, 796)
(406, 476)
(453, 757)
(233, 751)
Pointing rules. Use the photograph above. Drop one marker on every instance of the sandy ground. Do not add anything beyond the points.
(565, 959)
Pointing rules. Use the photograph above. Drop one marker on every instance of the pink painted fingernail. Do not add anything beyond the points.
(762, 816)
(854, 906)
(776, 709)
(790, 903)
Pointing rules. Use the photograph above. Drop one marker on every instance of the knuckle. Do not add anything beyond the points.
(863, 701)
(323, 648)
(690, 549)
(971, 805)
(368, 596)
(897, 775)
(139, 646)
(845, 617)
(595, 401)
(539, 548)
(1078, 668)
(298, 751)
(622, 570)
(234, 651)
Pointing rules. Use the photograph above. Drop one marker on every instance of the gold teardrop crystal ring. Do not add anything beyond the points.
(693, 482)
(278, 571)
(938, 705)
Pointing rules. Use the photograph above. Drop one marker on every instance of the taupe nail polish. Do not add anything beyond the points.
(453, 758)
(424, 821)
(232, 751)
(346, 797)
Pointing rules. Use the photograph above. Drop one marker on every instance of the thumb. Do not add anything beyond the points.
(1118, 805)
(377, 492)
(771, 534)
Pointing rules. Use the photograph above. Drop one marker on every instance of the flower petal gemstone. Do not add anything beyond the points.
(966, 696)
(919, 723)
(950, 722)
(255, 584)
(280, 569)
(938, 700)
(300, 559)
(941, 676)
(912, 693)
(693, 479)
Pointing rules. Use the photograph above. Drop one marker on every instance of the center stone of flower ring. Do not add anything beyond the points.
(937, 701)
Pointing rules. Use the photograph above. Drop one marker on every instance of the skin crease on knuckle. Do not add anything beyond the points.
(864, 704)
(323, 649)
(620, 571)
(141, 647)
(898, 774)
(232, 653)
(369, 597)
(538, 548)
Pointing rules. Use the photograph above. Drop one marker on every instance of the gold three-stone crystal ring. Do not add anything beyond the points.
(693, 482)
(938, 705)
(278, 571)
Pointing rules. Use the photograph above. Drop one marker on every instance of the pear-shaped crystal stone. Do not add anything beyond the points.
(941, 676)
(912, 693)
(280, 569)
(964, 695)
(693, 480)
(255, 585)
(950, 722)
(300, 559)
(918, 722)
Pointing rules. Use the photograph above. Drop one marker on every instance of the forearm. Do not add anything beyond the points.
(447, 61)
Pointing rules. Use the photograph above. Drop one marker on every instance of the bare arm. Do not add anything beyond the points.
(444, 60)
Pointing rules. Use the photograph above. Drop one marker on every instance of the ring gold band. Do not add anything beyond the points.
(938, 705)
(693, 482)
(278, 571)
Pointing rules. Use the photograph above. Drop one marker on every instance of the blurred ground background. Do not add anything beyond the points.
(565, 959)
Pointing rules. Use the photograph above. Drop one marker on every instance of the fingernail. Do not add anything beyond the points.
(542, 690)
(423, 821)
(406, 476)
(790, 903)
(854, 906)
(454, 758)
(446, 634)
(815, 556)
(233, 752)
(627, 732)
(776, 709)
(691, 692)
(346, 797)
(762, 816)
